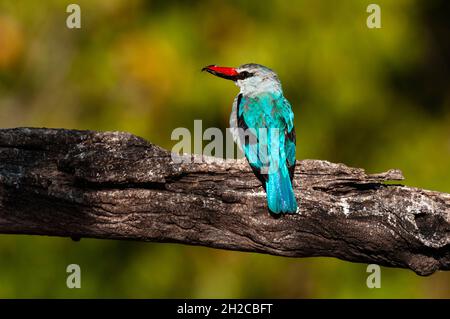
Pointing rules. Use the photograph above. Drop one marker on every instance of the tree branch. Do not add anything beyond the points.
(118, 186)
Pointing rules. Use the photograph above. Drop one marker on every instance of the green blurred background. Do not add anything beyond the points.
(372, 98)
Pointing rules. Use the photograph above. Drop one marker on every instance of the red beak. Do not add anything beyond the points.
(221, 71)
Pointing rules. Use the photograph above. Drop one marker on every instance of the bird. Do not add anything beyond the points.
(262, 125)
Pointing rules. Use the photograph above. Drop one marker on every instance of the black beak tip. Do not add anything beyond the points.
(206, 68)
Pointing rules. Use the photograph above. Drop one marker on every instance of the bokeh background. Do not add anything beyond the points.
(372, 98)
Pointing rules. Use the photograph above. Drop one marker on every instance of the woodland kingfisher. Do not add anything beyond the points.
(262, 125)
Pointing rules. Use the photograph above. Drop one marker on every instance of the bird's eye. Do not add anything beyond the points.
(244, 74)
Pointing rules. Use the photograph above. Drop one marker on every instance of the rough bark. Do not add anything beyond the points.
(113, 185)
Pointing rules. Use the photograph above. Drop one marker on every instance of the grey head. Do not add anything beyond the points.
(256, 78)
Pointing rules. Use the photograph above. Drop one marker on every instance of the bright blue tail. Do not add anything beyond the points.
(280, 193)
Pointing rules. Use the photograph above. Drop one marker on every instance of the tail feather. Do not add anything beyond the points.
(280, 193)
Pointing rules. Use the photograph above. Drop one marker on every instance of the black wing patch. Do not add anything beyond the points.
(290, 136)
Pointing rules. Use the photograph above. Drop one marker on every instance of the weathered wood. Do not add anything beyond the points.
(113, 185)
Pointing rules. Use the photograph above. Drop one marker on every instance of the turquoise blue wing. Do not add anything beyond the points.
(267, 111)
(269, 146)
